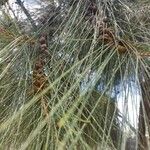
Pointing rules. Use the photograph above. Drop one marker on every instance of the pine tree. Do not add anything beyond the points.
(60, 79)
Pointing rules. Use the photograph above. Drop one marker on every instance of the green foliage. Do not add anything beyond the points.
(82, 75)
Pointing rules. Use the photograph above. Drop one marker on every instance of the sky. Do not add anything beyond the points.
(128, 103)
(31, 5)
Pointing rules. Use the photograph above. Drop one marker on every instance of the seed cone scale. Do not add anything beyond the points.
(121, 49)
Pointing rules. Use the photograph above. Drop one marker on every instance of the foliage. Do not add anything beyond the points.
(90, 56)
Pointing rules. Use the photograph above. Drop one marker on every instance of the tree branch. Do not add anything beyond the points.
(20, 3)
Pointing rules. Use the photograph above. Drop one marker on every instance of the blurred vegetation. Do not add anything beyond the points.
(64, 72)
